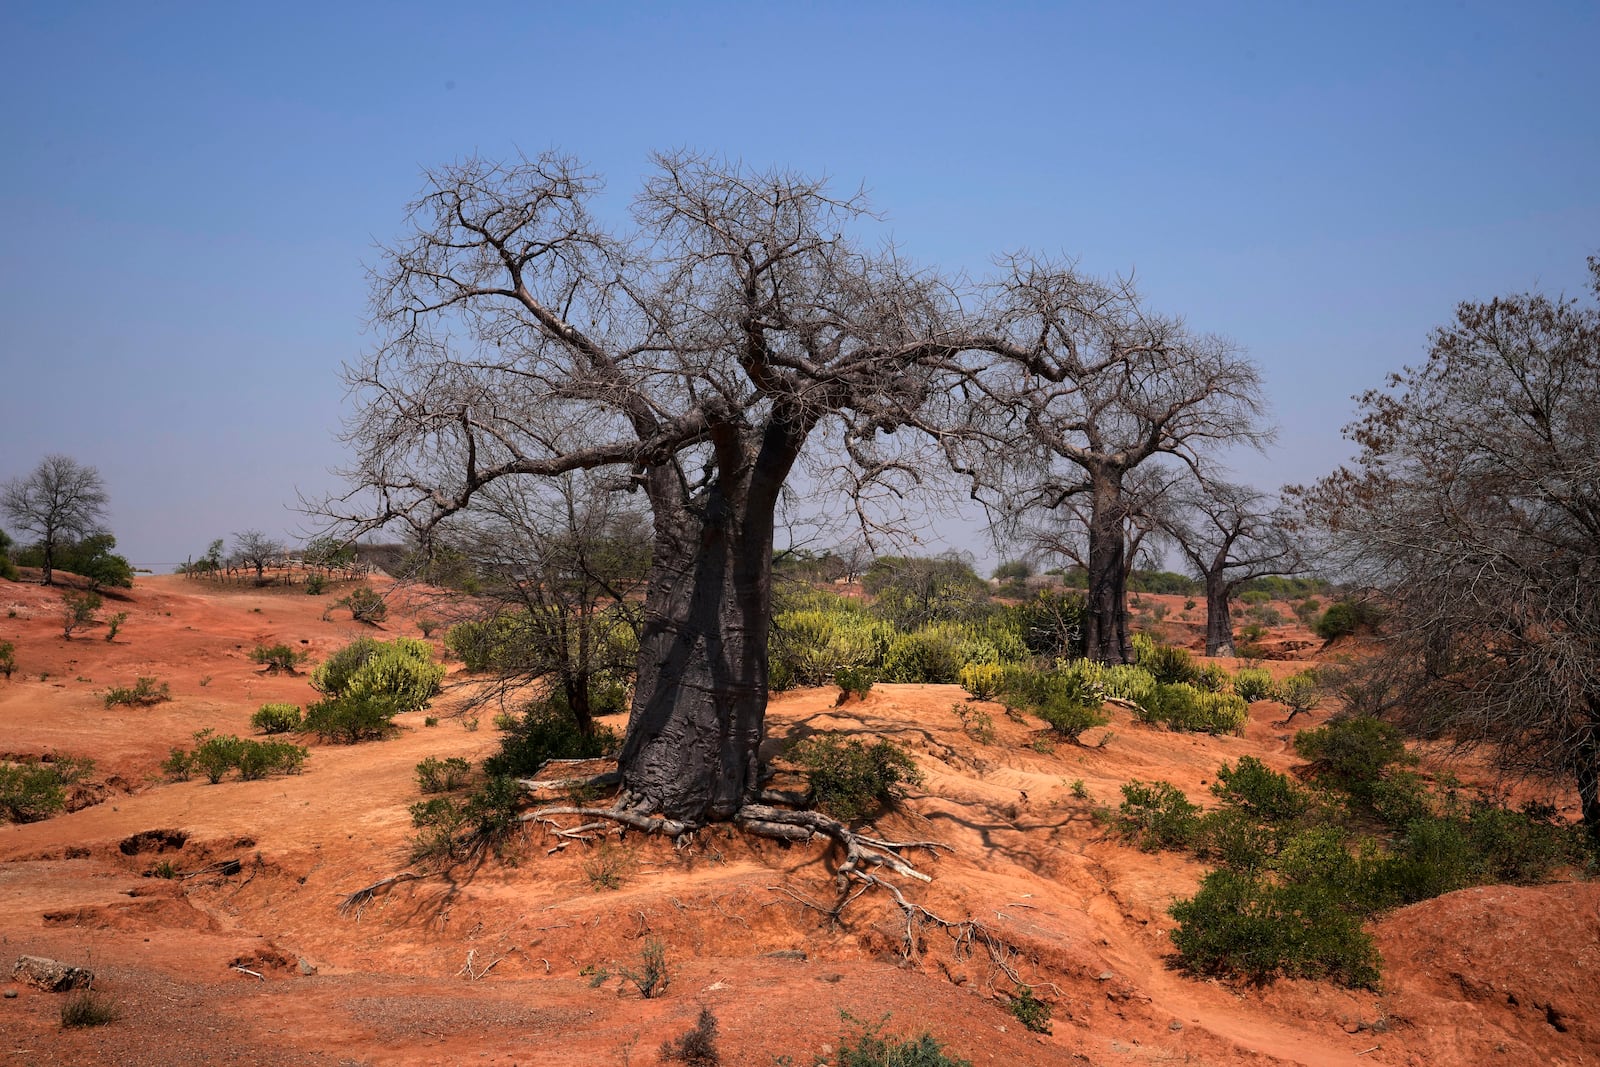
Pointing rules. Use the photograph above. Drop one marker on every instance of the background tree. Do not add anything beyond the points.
(93, 558)
(252, 548)
(740, 331)
(1092, 388)
(8, 567)
(1474, 506)
(561, 566)
(912, 591)
(60, 500)
(1228, 534)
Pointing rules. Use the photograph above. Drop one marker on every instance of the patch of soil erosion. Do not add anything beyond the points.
(210, 914)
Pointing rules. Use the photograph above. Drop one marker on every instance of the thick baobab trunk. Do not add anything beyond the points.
(692, 751)
(1219, 618)
(1105, 634)
(1587, 761)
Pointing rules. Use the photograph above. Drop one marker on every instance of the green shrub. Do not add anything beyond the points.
(1050, 624)
(114, 625)
(1248, 926)
(278, 658)
(1522, 847)
(179, 764)
(1169, 665)
(809, 646)
(36, 789)
(276, 718)
(850, 779)
(365, 606)
(442, 775)
(1353, 754)
(144, 692)
(1157, 815)
(1252, 684)
(869, 1048)
(1212, 677)
(316, 584)
(975, 722)
(401, 671)
(1265, 794)
(1299, 692)
(8, 658)
(651, 977)
(1254, 597)
(1064, 698)
(546, 731)
(1346, 617)
(1185, 708)
(78, 610)
(258, 759)
(856, 680)
(982, 680)
(1030, 1011)
(351, 717)
(485, 820)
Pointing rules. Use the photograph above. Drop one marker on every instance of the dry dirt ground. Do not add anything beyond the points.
(1485, 976)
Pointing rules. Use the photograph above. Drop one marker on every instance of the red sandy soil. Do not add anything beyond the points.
(1494, 975)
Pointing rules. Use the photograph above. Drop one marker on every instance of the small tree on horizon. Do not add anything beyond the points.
(60, 500)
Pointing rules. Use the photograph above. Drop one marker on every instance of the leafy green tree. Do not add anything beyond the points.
(61, 500)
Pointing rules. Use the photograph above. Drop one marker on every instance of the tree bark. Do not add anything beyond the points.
(692, 751)
(1105, 634)
(1587, 765)
(1219, 617)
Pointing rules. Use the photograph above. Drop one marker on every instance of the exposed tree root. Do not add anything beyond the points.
(361, 897)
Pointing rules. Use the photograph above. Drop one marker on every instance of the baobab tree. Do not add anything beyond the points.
(1228, 534)
(739, 329)
(1093, 386)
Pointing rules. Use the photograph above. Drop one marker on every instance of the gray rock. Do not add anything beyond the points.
(52, 976)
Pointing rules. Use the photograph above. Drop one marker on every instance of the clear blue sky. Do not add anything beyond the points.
(191, 192)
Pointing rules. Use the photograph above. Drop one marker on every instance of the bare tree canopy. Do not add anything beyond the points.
(1474, 506)
(252, 548)
(697, 358)
(1095, 386)
(60, 500)
(1228, 534)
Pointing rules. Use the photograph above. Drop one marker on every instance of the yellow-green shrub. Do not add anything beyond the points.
(401, 672)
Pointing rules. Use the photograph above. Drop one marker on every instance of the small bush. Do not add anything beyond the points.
(869, 1048)
(1169, 665)
(651, 976)
(8, 658)
(36, 789)
(1212, 677)
(401, 671)
(365, 606)
(854, 680)
(977, 723)
(1353, 754)
(1299, 692)
(78, 610)
(546, 731)
(1252, 684)
(982, 680)
(442, 775)
(1185, 708)
(114, 625)
(276, 718)
(1157, 815)
(851, 779)
(697, 1046)
(1030, 1011)
(1067, 698)
(1260, 791)
(258, 759)
(608, 866)
(178, 765)
(88, 1007)
(1251, 927)
(315, 584)
(278, 658)
(351, 718)
(1346, 617)
(144, 693)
